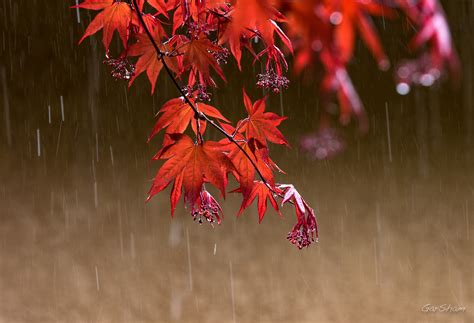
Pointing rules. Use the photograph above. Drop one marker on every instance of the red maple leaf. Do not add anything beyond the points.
(262, 125)
(262, 191)
(249, 18)
(244, 164)
(160, 5)
(198, 58)
(151, 22)
(191, 165)
(186, 9)
(149, 60)
(177, 114)
(115, 16)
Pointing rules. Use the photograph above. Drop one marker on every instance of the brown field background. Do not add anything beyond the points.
(78, 243)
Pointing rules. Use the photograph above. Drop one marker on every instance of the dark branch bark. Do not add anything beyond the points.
(198, 114)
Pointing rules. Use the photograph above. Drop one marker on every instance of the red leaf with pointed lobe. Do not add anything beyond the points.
(149, 60)
(177, 115)
(115, 16)
(263, 192)
(198, 57)
(176, 192)
(160, 6)
(190, 165)
(153, 24)
(263, 153)
(245, 170)
(94, 4)
(262, 125)
(247, 16)
(186, 9)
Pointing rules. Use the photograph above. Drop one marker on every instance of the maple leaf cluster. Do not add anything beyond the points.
(191, 164)
(191, 39)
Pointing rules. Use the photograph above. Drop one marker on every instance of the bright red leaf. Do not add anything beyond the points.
(160, 6)
(198, 57)
(94, 4)
(263, 192)
(115, 16)
(245, 169)
(262, 125)
(196, 10)
(190, 165)
(149, 60)
(249, 18)
(176, 115)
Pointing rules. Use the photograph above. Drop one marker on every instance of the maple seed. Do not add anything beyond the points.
(221, 56)
(306, 229)
(202, 94)
(208, 209)
(196, 29)
(304, 232)
(272, 81)
(197, 92)
(120, 68)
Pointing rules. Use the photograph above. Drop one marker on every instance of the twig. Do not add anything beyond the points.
(197, 114)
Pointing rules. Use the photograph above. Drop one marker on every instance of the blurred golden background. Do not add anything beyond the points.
(78, 243)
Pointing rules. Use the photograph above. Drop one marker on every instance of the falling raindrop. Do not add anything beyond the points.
(111, 155)
(96, 197)
(376, 262)
(189, 261)
(97, 147)
(59, 138)
(467, 219)
(120, 229)
(388, 133)
(78, 14)
(174, 237)
(97, 282)
(335, 18)
(176, 305)
(132, 245)
(403, 88)
(38, 141)
(427, 80)
(232, 290)
(6, 107)
(62, 107)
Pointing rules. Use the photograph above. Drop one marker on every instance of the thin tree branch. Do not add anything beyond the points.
(197, 114)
